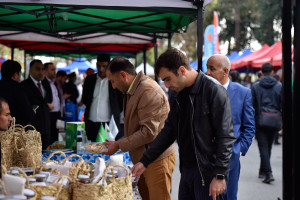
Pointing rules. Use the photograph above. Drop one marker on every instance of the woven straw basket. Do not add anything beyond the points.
(118, 189)
(21, 148)
(56, 190)
(23, 174)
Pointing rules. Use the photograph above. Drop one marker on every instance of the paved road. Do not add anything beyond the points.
(250, 186)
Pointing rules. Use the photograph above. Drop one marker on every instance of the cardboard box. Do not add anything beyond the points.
(71, 134)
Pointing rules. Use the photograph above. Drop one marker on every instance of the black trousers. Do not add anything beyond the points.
(265, 138)
(92, 128)
(190, 187)
(54, 131)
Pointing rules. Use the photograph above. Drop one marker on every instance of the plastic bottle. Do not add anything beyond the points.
(79, 141)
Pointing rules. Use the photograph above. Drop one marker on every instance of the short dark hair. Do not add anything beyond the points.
(1, 101)
(276, 76)
(61, 73)
(9, 68)
(267, 68)
(121, 64)
(33, 62)
(259, 74)
(72, 75)
(103, 58)
(46, 65)
(235, 76)
(172, 59)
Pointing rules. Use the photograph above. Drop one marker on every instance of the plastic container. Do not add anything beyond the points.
(96, 147)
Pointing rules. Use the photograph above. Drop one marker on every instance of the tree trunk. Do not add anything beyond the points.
(237, 33)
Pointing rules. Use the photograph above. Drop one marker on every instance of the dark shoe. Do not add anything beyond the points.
(277, 143)
(261, 175)
(269, 178)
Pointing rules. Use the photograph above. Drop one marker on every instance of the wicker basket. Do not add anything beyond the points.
(43, 166)
(118, 189)
(21, 148)
(23, 174)
(55, 190)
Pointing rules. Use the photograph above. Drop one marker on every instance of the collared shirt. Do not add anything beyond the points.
(55, 98)
(226, 85)
(36, 84)
(131, 85)
(100, 107)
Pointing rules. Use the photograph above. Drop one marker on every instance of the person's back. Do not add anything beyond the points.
(266, 94)
(270, 92)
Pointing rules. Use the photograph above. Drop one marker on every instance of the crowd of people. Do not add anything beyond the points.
(211, 116)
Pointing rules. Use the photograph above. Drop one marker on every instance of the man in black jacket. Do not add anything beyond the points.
(12, 91)
(200, 120)
(40, 98)
(100, 99)
(266, 93)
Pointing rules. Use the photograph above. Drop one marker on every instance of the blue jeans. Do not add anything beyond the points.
(190, 187)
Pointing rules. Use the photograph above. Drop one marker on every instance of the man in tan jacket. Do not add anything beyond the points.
(145, 110)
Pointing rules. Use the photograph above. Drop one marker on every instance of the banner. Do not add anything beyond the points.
(216, 36)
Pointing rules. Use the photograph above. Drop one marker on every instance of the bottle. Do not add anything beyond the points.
(79, 141)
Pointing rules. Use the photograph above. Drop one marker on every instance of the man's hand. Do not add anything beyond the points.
(216, 188)
(50, 106)
(67, 95)
(112, 146)
(138, 169)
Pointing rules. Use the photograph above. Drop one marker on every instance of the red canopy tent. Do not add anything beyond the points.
(247, 59)
(269, 55)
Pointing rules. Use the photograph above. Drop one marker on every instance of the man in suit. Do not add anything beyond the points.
(218, 67)
(39, 94)
(50, 74)
(101, 100)
(12, 91)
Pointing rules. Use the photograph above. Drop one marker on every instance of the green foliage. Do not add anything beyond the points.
(268, 28)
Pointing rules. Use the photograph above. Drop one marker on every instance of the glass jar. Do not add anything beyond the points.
(29, 193)
(47, 198)
(83, 178)
(40, 177)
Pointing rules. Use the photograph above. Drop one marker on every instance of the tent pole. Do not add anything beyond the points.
(155, 56)
(135, 60)
(169, 40)
(12, 51)
(25, 70)
(144, 54)
(288, 167)
(199, 4)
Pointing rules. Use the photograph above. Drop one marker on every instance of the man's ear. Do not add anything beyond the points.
(182, 70)
(226, 71)
(14, 76)
(123, 74)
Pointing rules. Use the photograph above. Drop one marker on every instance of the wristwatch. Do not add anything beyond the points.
(220, 177)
